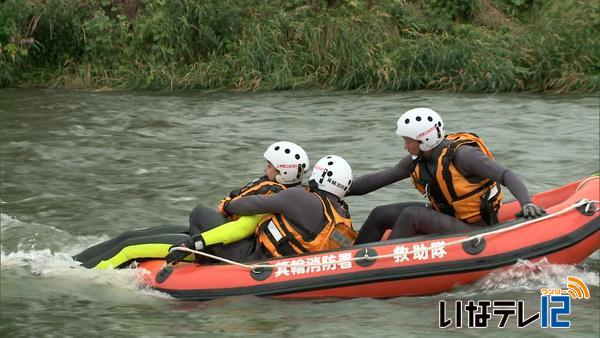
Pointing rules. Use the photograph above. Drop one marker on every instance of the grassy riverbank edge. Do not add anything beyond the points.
(463, 46)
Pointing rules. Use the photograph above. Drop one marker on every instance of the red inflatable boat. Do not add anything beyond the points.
(415, 266)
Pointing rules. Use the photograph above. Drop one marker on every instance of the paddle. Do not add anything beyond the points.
(164, 273)
(174, 257)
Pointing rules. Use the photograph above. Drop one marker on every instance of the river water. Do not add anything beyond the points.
(78, 168)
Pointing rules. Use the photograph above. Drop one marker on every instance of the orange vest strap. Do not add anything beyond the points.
(450, 192)
(280, 237)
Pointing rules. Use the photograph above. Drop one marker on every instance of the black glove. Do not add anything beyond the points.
(195, 242)
(222, 208)
(531, 211)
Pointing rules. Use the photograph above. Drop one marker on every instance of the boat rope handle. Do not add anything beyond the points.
(585, 181)
(584, 202)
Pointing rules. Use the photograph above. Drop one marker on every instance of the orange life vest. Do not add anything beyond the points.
(260, 186)
(281, 238)
(451, 193)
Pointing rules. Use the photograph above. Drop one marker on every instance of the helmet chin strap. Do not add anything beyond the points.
(313, 186)
(423, 154)
(279, 178)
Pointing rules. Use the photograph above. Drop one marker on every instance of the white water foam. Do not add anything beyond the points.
(20, 235)
(41, 196)
(7, 222)
(182, 199)
(143, 171)
(45, 251)
(45, 263)
(529, 277)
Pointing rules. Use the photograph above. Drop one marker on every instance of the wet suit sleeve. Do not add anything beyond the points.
(288, 202)
(259, 204)
(232, 231)
(472, 162)
(371, 182)
(235, 193)
(299, 206)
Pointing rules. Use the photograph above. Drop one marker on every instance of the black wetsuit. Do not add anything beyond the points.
(299, 206)
(203, 218)
(169, 234)
(415, 218)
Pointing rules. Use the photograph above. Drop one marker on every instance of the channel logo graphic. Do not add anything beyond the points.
(555, 304)
(577, 289)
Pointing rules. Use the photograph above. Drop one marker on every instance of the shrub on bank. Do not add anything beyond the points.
(480, 46)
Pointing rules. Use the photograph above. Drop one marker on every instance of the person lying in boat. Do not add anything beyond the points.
(286, 164)
(456, 173)
(298, 220)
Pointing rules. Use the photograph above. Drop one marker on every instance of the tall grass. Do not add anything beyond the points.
(537, 45)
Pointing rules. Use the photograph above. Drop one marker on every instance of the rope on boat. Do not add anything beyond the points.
(584, 202)
(585, 181)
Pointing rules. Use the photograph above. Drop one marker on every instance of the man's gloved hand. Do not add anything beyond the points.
(531, 211)
(223, 205)
(195, 242)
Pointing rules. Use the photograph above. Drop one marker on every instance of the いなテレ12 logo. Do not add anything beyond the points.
(555, 305)
(555, 302)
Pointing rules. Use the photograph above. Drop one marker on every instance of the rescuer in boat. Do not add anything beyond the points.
(286, 164)
(298, 220)
(456, 173)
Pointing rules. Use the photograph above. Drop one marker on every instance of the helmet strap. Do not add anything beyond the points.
(323, 176)
(313, 186)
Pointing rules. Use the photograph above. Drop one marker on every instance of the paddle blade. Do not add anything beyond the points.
(164, 273)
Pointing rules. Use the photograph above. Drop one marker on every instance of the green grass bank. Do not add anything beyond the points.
(453, 45)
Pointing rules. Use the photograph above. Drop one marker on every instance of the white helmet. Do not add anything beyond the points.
(423, 125)
(333, 174)
(289, 159)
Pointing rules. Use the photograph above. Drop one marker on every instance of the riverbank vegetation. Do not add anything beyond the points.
(456, 45)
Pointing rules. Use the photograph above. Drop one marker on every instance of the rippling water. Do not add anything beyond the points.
(78, 168)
